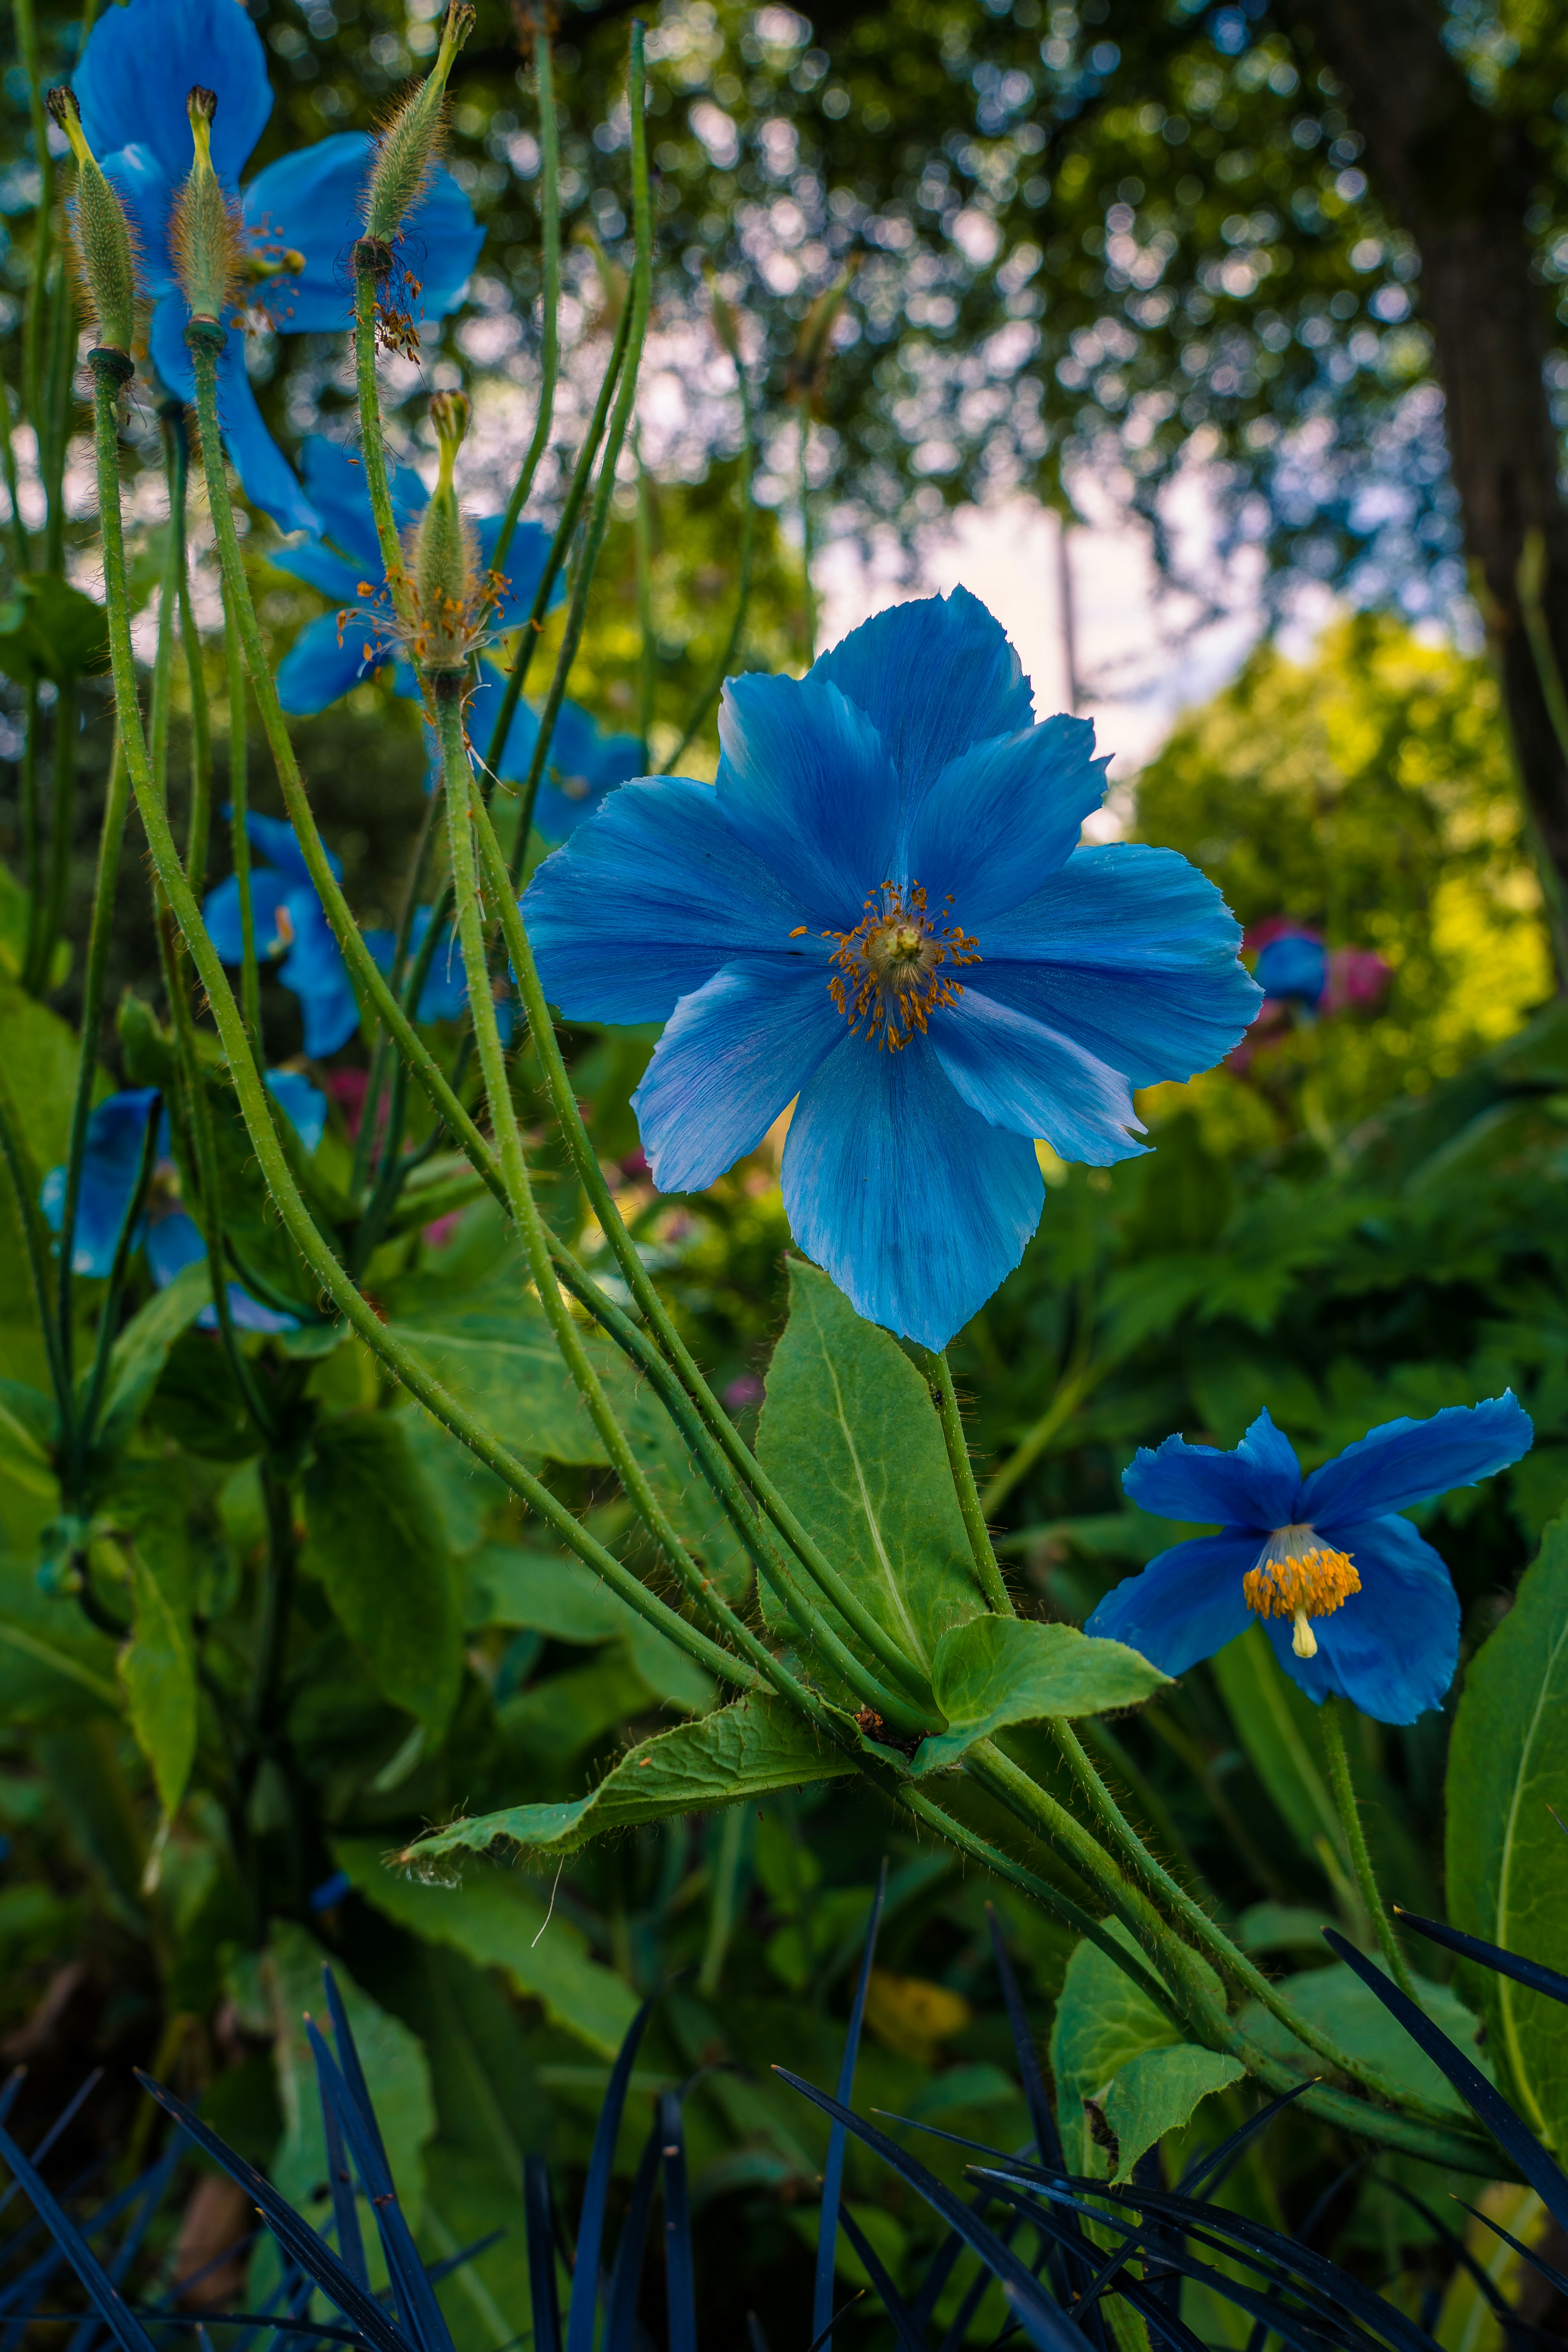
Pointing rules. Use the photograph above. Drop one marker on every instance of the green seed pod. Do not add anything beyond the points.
(205, 234)
(102, 232)
(447, 592)
(409, 147)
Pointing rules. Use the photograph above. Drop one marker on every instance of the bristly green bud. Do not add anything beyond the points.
(409, 147)
(205, 232)
(449, 598)
(103, 243)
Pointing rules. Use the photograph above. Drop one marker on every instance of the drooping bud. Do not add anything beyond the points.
(409, 147)
(724, 322)
(102, 232)
(205, 232)
(447, 595)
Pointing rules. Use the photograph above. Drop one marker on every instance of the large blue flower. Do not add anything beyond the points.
(328, 656)
(290, 922)
(883, 910)
(116, 1133)
(1351, 1598)
(301, 215)
(584, 764)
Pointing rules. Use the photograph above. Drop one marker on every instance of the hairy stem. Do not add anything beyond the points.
(939, 1373)
(239, 839)
(1332, 1721)
(550, 244)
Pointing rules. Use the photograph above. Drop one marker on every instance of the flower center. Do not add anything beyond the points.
(1298, 1575)
(894, 966)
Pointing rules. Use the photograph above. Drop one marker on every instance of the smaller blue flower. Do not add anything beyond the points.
(1351, 1598)
(330, 654)
(290, 923)
(116, 1134)
(584, 764)
(1293, 967)
(446, 990)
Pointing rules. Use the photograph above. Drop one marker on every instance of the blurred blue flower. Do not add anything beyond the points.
(290, 922)
(1351, 1598)
(300, 215)
(883, 910)
(116, 1133)
(1293, 967)
(584, 763)
(330, 656)
(446, 990)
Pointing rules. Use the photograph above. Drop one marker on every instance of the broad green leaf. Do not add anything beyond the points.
(1277, 1725)
(998, 1670)
(1104, 2028)
(50, 630)
(1508, 1766)
(375, 1543)
(159, 1672)
(504, 1365)
(464, 1492)
(496, 1918)
(29, 1424)
(39, 1057)
(850, 1432)
(1158, 2093)
(141, 1350)
(54, 1669)
(745, 1750)
(551, 1723)
(1335, 2000)
(549, 1592)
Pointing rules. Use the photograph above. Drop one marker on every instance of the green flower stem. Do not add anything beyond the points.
(275, 1171)
(524, 1212)
(62, 817)
(176, 473)
(25, 1187)
(637, 311)
(365, 1141)
(116, 800)
(373, 446)
(721, 667)
(647, 649)
(200, 744)
(21, 546)
(564, 1101)
(109, 1313)
(239, 840)
(31, 834)
(42, 220)
(939, 1374)
(549, 241)
(58, 408)
(808, 596)
(1355, 1839)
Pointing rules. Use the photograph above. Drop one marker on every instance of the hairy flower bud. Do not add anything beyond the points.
(446, 591)
(205, 232)
(409, 146)
(102, 232)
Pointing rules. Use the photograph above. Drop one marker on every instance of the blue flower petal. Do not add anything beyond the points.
(1186, 1604)
(265, 476)
(220, 913)
(1019, 1076)
(174, 1243)
(647, 900)
(1256, 1486)
(275, 837)
(116, 1132)
(334, 479)
(138, 70)
(446, 990)
(1002, 817)
(247, 1314)
(1293, 966)
(910, 1201)
(440, 242)
(321, 568)
(1131, 952)
(148, 196)
(1407, 1462)
(325, 662)
(309, 203)
(1392, 1647)
(806, 781)
(526, 557)
(303, 1105)
(933, 677)
(734, 1055)
(315, 971)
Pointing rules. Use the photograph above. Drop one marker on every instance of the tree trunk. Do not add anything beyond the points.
(1460, 179)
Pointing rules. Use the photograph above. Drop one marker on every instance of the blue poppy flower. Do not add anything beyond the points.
(883, 910)
(300, 216)
(116, 1133)
(290, 922)
(1350, 1596)
(1293, 967)
(584, 764)
(328, 656)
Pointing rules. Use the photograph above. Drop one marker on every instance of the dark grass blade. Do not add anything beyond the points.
(1047, 2142)
(62, 2121)
(953, 2211)
(1214, 2166)
(964, 2317)
(346, 2205)
(625, 2273)
(539, 2217)
(893, 2303)
(1511, 2132)
(580, 2312)
(304, 2245)
(349, 2068)
(421, 2314)
(680, 2284)
(101, 2291)
(1532, 1973)
(155, 2185)
(833, 2170)
(1548, 2271)
(1520, 2332)
(817, 2341)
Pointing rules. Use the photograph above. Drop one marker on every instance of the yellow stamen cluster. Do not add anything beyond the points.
(1296, 1575)
(892, 968)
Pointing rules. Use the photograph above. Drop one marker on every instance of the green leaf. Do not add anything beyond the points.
(158, 1673)
(1158, 2093)
(375, 1542)
(139, 1355)
(849, 1433)
(50, 630)
(508, 1371)
(745, 1751)
(550, 1594)
(1507, 1765)
(1335, 2000)
(497, 1918)
(54, 1669)
(1105, 2029)
(29, 1424)
(999, 1670)
(1277, 1725)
